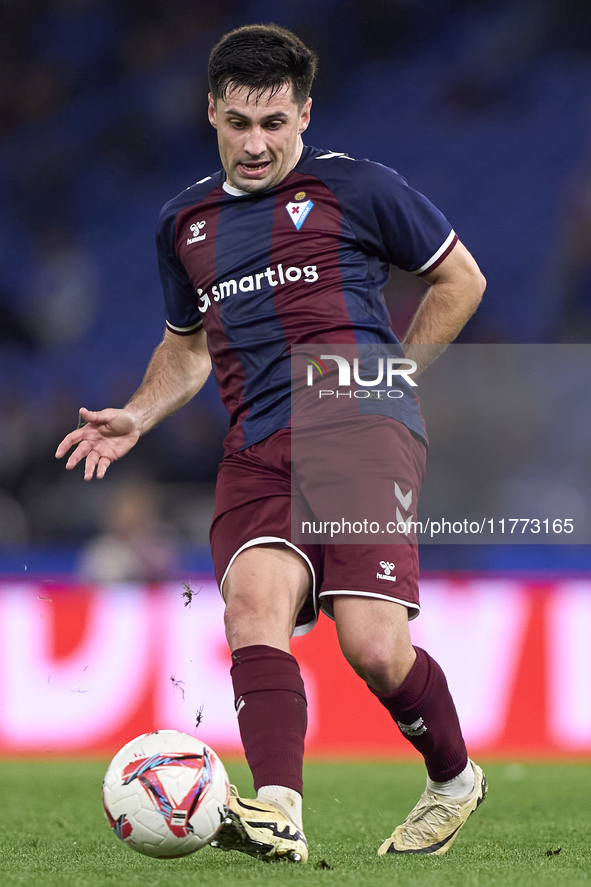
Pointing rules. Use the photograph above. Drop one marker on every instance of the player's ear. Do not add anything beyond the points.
(211, 111)
(305, 115)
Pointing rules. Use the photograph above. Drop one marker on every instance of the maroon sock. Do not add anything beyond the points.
(426, 715)
(272, 712)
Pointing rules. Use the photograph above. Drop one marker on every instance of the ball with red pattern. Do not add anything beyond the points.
(165, 794)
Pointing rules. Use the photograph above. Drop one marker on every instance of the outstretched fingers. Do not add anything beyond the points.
(81, 452)
(82, 436)
(95, 462)
(105, 437)
(102, 465)
(69, 441)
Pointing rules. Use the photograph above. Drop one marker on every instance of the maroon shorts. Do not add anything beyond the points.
(259, 489)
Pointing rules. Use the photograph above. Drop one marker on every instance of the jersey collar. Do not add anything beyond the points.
(235, 192)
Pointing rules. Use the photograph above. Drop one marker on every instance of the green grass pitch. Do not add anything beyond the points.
(534, 829)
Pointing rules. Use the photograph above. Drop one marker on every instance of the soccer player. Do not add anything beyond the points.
(288, 245)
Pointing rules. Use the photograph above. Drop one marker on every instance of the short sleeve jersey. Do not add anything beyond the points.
(302, 263)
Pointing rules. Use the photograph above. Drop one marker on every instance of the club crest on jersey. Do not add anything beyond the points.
(298, 211)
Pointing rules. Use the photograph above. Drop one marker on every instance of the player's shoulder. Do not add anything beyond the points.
(191, 196)
(339, 169)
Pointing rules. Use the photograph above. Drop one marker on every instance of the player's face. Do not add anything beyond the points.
(260, 141)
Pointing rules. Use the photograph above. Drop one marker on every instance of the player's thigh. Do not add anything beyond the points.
(264, 590)
(375, 639)
(361, 481)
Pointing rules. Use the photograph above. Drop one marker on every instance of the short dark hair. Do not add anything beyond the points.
(262, 58)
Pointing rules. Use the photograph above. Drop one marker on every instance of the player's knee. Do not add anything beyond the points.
(381, 665)
(372, 665)
(242, 619)
(252, 619)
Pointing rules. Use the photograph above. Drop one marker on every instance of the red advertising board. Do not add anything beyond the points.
(84, 669)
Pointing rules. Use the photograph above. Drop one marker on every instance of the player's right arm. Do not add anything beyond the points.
(178, 369)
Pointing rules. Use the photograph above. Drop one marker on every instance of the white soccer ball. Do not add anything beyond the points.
(165, 794)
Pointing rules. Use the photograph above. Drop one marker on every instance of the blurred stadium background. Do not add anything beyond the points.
(485, 106)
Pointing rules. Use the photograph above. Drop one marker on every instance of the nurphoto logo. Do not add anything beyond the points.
(388, 369)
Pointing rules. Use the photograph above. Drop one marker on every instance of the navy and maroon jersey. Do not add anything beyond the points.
(300, 263)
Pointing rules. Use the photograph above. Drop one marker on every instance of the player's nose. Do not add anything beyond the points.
(255, 143)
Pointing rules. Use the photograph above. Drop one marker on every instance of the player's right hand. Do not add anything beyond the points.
(107, 436)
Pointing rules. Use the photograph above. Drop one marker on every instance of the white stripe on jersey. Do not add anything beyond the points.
(184, 329)
(436, 255)
(333, 154)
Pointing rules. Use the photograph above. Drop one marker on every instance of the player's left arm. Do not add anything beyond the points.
(455, 291)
